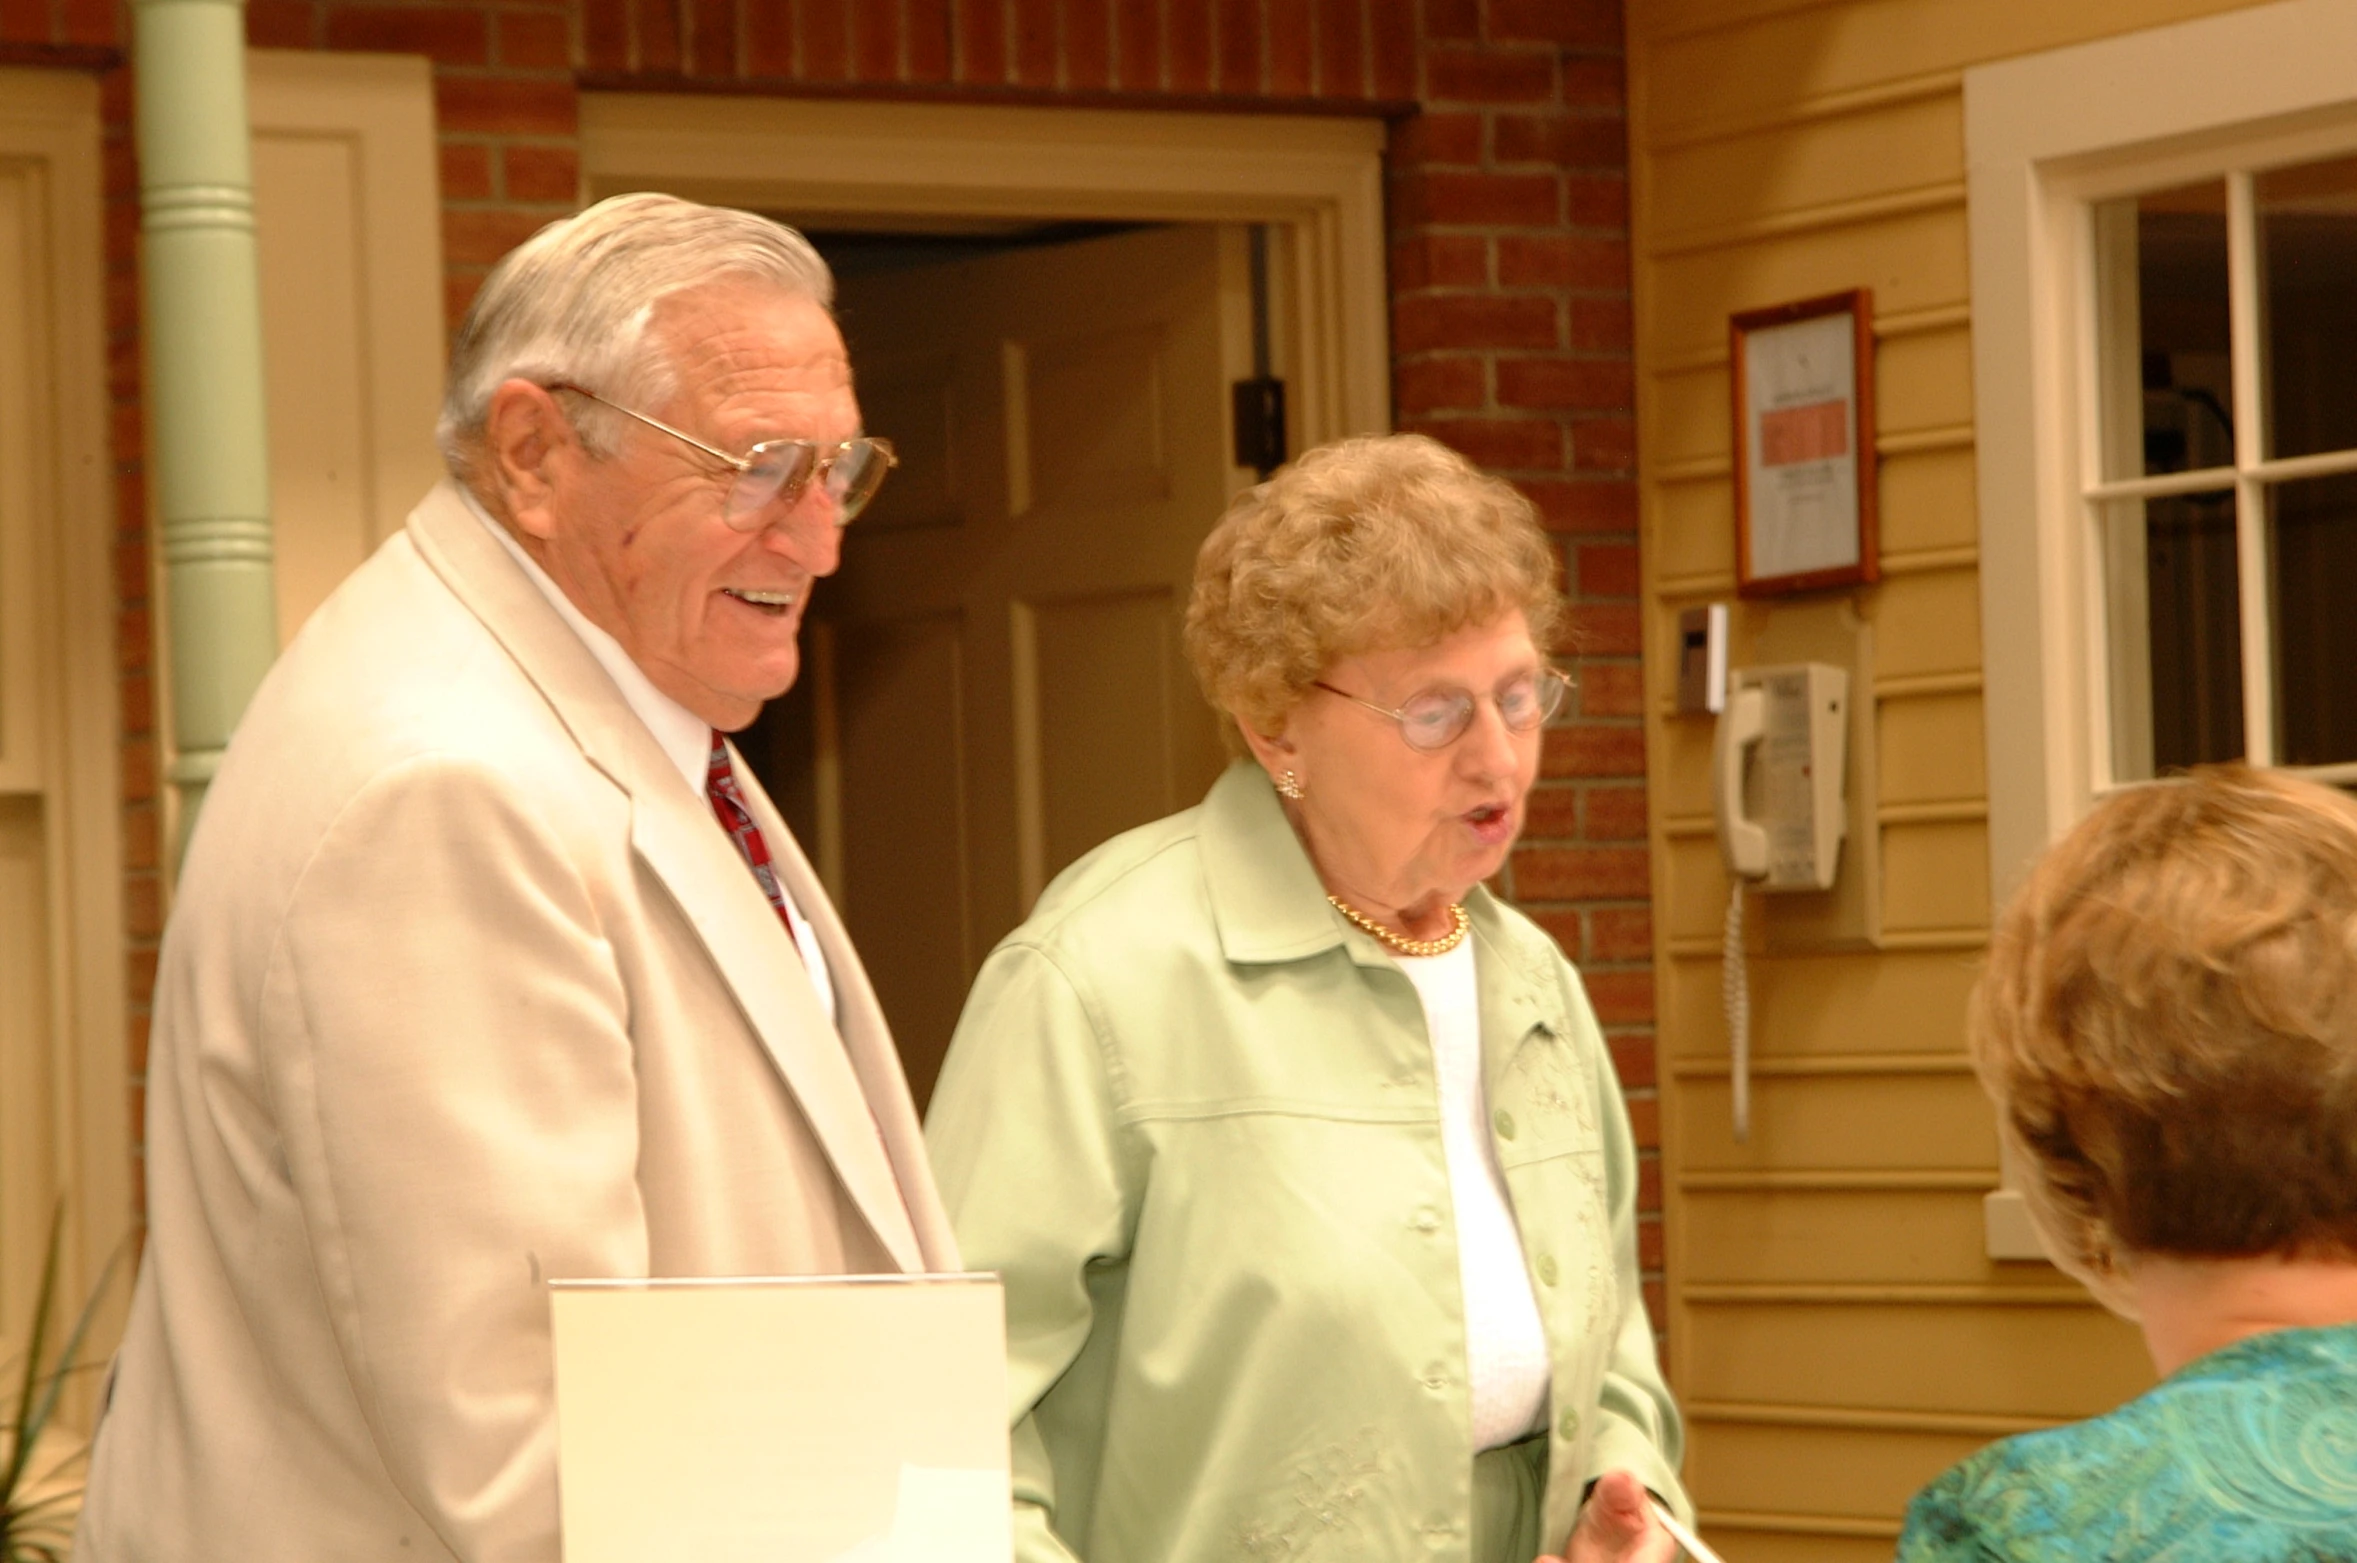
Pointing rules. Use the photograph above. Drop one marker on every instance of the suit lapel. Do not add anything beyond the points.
(867, 1039)
(674, 834)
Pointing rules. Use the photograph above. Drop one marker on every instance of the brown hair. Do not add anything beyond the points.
(2168, 1024)
(1378, 541)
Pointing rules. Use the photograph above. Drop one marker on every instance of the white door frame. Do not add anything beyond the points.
(1317, 181)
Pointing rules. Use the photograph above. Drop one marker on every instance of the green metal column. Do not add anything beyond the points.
(205, 402)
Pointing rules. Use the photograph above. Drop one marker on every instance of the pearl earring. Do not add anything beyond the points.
(1289, 786)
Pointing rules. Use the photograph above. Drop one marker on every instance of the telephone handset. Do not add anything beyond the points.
(1777, 766)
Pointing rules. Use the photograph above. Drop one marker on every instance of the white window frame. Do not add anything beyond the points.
(2046, 137)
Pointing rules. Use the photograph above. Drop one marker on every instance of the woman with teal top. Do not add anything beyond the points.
(2168, 1025)
(1300, 1154)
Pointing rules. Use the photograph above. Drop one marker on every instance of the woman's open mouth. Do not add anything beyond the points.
(1492, 822)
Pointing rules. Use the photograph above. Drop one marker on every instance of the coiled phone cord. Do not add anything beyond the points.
(1735, 991)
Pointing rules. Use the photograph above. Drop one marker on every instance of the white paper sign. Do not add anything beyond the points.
(856, 1419)
(1801, 387)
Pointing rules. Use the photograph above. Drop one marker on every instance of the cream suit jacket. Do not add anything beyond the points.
(465, 989)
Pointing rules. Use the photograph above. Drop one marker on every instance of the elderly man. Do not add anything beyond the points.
(491, 963)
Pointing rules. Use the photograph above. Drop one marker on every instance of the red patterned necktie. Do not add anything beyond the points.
(720, 785)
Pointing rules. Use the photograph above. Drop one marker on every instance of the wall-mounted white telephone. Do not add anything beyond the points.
(1777, 767)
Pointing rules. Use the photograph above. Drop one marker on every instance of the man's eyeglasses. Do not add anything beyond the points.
(1438, 717)
(849, 473)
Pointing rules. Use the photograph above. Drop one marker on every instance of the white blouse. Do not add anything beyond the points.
(1505, 1344)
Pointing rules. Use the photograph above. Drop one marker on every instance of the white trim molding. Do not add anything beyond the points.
(1316, 179)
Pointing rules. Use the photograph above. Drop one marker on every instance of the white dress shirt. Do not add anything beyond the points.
(1505, 1343)
(681, 734)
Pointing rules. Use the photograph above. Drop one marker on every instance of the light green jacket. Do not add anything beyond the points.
(1190, 1116)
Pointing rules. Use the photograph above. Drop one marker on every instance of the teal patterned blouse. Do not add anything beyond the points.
(2248, 1455)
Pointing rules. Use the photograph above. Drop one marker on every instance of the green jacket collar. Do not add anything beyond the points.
(1270, 907)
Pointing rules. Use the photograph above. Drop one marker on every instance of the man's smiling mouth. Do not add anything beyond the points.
(767, 602)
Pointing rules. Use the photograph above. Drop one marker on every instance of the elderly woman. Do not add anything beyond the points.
(2168, 1025)
(1300, 1153)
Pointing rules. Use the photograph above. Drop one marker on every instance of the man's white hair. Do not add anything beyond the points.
(573, 302)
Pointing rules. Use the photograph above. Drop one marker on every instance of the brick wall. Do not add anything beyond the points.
(1509, 266)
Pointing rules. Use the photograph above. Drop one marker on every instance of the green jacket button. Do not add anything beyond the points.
(1504, 1122)
(1568, 1425)
(1547, 1269)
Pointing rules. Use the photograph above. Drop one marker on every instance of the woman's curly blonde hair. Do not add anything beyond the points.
(1372, 542)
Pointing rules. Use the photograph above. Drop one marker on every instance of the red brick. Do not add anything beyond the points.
(1439, 260)
(1590, 750)
(1035, 42)
(93, 22)
(1290, 55)
(1526, 200)
(875, 43)
(505, 105)
(1577, 24)
(1511, 443)
(1562, 261)
(1551, 813)
(1437, 138)
(139, 774)
(1614, 814)
(1622, 998)
(928, 40)
(1606, 629)
(1392, 52)
(1604, 445)
(1239, 47)
(1620, 933)
(1596, 201)
(543, 174)
(135, 703)
(141, 976)
(605, 34)
(131, 578)
(25, 21)
(123, 369)
(658, 33)
(142, 837)
(280, 24)
(120, 161)
(824, 52)
(127, 428)
(1657, 1309)
(136, 1103)
(458, 291)
(1187, 47)
(1421, 324)
(447, 37)
(1600, 325)
(1645, 1129)
(534, 40)
(1611, 689)
(1488, 76)
(1432, 384)
(1582, 873)
(1088, 45)
(769, 42)
(1633, 1053)
(709, 49)
(466, 171)
(1562, 140)
(1451, 18)
(980, 29)
(482, 236)
(1586, 504)
(1650, 1244)
(1595, 84)
(1137, 45)
(1342, 49)
(1567, 384)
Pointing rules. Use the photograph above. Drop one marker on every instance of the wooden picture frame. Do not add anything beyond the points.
(1803, 378)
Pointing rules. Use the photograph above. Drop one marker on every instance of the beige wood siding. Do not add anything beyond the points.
(1836, 1332)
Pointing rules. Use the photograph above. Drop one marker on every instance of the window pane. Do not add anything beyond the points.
(2175, 633)
(2314, 527)
(2167, 381)
(2308, 266)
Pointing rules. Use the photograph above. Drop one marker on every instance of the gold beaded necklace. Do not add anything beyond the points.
(1405, 946)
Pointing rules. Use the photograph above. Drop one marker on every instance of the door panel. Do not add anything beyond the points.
(1061, 419)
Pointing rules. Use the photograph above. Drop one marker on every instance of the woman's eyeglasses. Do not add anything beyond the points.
(1439, 717)
(849, 473)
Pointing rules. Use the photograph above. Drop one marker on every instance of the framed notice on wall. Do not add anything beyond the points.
(1804, 444)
